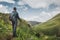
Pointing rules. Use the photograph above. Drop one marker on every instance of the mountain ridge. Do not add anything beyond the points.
(43, 31)
(51, 27)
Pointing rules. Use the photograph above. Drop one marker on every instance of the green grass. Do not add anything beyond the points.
(47, 30)
(24, 32)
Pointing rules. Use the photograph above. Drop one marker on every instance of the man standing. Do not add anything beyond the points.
(13, 18)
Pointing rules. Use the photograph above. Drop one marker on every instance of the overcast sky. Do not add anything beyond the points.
(32, 10)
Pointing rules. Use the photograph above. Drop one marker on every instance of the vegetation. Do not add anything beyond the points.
(51, 28)
(43, 31)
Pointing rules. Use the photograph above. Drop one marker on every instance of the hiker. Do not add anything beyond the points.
(13, 18)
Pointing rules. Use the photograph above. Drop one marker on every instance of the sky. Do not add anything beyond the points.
(32, 10)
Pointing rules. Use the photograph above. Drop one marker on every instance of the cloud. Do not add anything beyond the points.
(17, 0)
(3, 9)
(56, 2)
(33, 12)
(41, 3)
(9, 1)
(21, 3)
(42, 17)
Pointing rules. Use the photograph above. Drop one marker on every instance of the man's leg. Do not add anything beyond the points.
(14, 28)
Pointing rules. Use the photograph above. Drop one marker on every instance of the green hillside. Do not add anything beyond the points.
(23, 29)
(43, 31)
(49, 28)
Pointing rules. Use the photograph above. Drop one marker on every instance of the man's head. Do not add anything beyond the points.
(14, 8)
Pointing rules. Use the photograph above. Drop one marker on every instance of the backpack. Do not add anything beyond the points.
(12, 15)
(10, 18)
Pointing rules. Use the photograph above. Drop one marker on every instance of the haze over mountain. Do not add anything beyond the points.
(33, 22)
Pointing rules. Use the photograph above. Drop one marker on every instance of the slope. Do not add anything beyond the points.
(51, 27)
(23, 29)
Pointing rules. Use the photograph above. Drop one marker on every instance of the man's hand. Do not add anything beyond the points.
(20, 19)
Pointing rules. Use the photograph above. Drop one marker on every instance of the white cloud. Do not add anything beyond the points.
(25, 9)
(43, 17)
(31, 18)
(3, 9)
(36, 3)
(21, 3)
(9, 1)
(56, 2)
(41, 3)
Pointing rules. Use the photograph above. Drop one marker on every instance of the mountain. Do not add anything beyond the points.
(42, 31)
(33, 22)
(51, 27)
(23, 29)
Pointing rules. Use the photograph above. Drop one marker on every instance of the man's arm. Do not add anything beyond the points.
(18, 17)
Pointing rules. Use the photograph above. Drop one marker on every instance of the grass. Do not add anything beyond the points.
(46, 31)
(49, 28)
